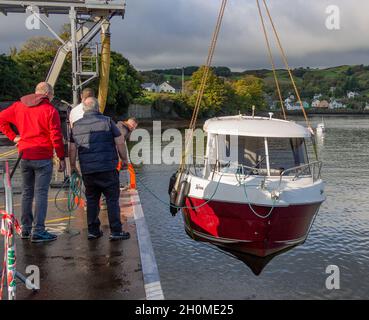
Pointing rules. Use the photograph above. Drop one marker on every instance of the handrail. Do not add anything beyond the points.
(247, 170)
(302, 169)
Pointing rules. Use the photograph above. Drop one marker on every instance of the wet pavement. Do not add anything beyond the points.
(73, 267)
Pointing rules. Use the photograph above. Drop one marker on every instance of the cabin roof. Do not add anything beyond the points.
(256, 127)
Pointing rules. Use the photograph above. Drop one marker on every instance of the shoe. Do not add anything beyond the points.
(43, 237)
(25, 235)
(119, 236)
(94, 236)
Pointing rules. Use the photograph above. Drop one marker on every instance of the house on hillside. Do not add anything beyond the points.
(165, 87)
(315, 103)
(352, 95)
(150, 87)
(324, 104)
(317, 96)
(297, 106)
(335, 104)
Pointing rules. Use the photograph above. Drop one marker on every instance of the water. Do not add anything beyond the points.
(339, 236)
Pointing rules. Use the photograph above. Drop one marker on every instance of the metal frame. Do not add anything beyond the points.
(87, 18)
(62, 7)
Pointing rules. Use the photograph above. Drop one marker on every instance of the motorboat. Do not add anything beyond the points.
(255, 191)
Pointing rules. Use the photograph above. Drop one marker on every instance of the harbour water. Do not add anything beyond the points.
(339, 236)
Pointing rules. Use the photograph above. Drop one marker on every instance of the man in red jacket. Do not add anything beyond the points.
(40, 134)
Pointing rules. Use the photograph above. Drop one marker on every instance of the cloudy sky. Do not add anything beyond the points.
(175, 33)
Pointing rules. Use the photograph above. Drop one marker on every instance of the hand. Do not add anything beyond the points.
(16, 140)
(62, 166)
(73, 169)
(125, 164)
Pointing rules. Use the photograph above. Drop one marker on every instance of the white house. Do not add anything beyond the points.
(336, 105)
(352, 95)
(151, 87)
(315, 103)
(167, 88)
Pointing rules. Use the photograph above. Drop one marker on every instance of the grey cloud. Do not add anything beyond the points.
(173, 33)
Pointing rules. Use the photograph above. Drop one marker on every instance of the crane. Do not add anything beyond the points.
(87, 19)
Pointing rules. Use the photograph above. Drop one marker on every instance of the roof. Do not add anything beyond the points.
(166, 84)
(148, 85)
(256, 127)
(62, 6)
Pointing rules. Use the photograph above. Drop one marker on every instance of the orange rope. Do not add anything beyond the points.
(271, 60)
(204, 81)
(286, 63)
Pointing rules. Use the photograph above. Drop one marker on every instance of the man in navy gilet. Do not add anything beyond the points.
(98, 141)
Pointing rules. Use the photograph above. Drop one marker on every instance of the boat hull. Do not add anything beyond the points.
(235, 226)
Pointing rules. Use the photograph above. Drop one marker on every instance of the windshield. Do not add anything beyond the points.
(239, 154)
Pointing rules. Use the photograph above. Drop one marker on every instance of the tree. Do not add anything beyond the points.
(249, 92)
(11, 81)
(215, 93)
(35, 58)
(124, 85)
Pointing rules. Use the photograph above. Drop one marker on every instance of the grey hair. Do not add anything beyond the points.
(44, 88)
(91, 104)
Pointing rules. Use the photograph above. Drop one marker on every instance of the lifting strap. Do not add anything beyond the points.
(285, 61)
(204, 79)
(271, 58)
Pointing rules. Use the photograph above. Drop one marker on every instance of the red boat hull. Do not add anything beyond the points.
(235, 226)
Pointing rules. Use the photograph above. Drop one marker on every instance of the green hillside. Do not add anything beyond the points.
(330, 82)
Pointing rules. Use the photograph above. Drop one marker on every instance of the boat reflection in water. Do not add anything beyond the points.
(255, 263)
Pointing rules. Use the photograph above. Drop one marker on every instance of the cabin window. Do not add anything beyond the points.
(286, 153)
(247, 155)
(251, 152)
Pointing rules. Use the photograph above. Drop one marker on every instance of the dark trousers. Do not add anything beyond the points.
(36, 175)
(106, 183)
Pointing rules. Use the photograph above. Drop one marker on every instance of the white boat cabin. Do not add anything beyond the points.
(256, 146)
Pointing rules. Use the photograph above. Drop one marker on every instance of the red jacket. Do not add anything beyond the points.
(38, 123)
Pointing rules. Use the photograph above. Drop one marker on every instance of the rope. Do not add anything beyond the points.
(74, 193)
(271, 58)
(284, 57)
(177, 207)
(203, 81)
(249, 203)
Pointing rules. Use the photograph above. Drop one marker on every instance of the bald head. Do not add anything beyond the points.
(90, 104)
(45, 89)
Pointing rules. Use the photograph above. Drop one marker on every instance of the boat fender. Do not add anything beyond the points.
(173, 208)
(184, 189)
(173, 194)
(172, 182)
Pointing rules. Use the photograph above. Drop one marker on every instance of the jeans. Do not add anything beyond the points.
(106, 183)
(36, 175)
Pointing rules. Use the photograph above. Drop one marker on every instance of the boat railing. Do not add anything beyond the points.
(312, 169)
(202, 168)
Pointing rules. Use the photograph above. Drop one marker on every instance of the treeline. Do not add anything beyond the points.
(330, 82)
(222, 96)
(22, 69)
